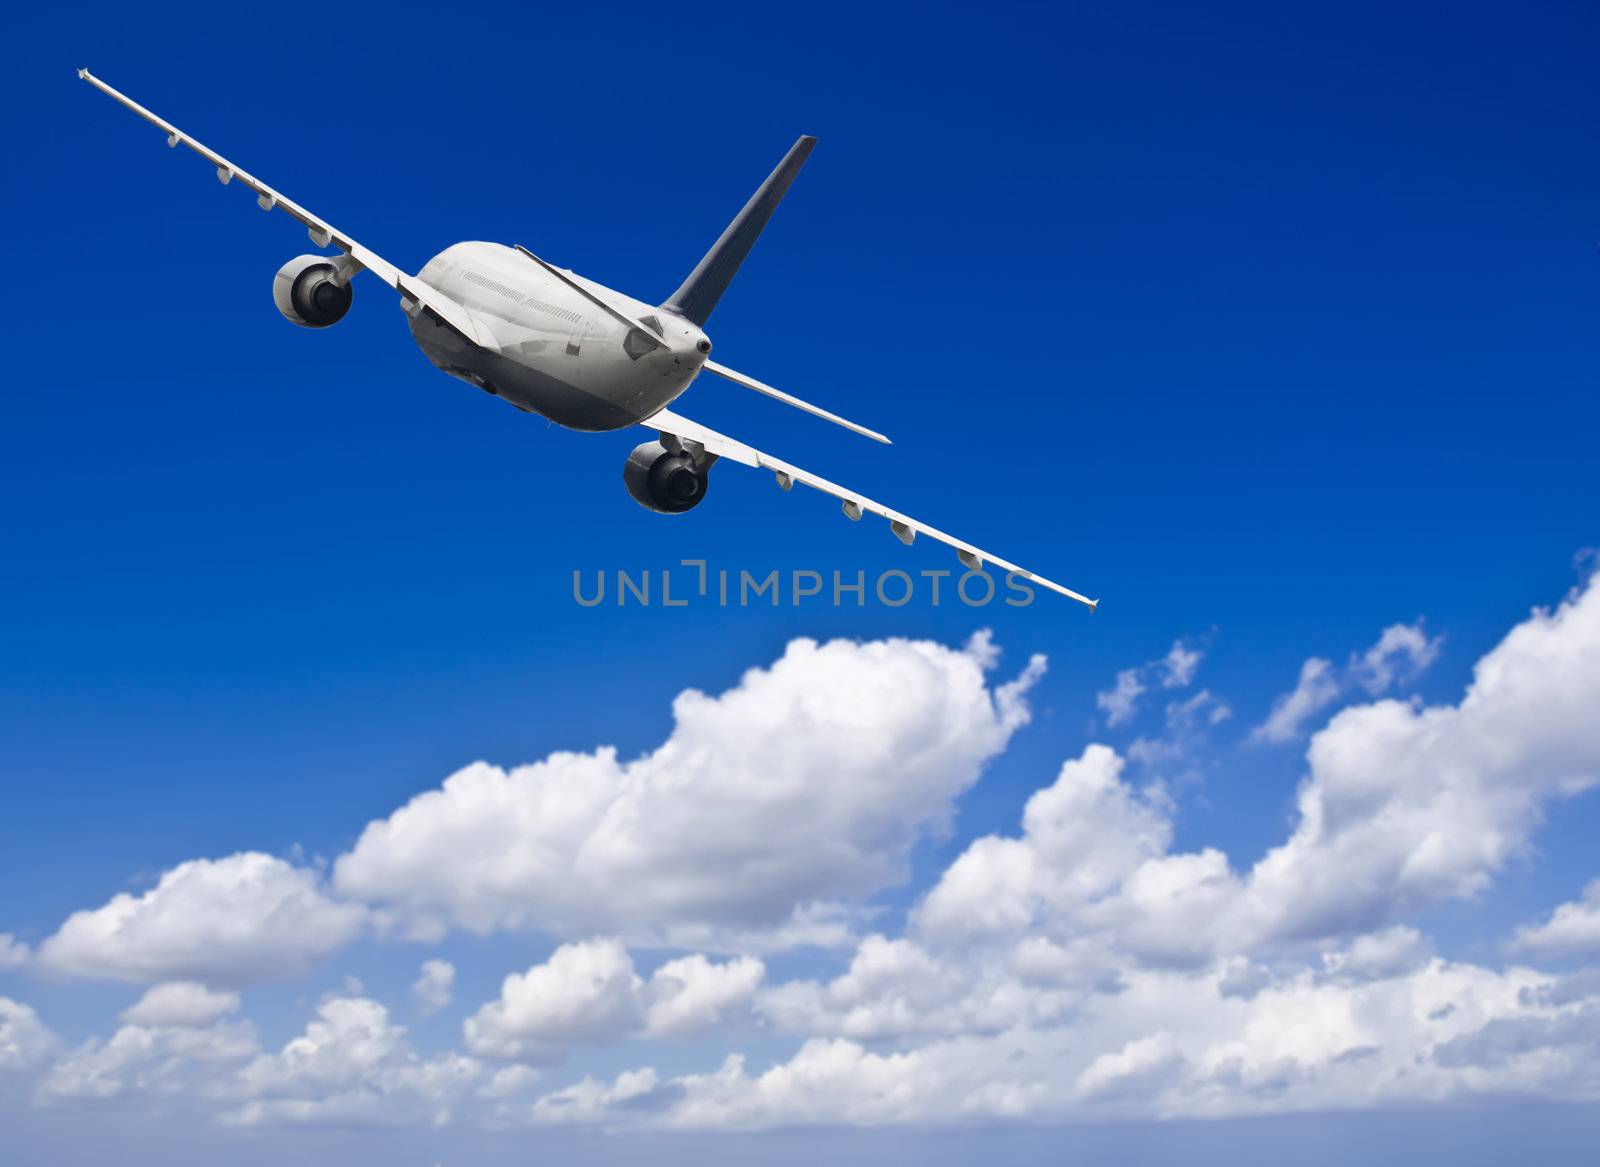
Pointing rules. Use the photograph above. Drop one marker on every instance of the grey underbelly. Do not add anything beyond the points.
(527, 388)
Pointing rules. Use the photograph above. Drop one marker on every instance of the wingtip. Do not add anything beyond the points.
(83, 74)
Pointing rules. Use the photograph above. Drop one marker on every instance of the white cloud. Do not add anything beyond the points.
(352, 1065)
(1406, 805)
(591, 1100)
(1316, 689)
(1167, 1044)
(1077, 969)
(1121, 701)
(1401, 653)
(1174, 756)
(183, 1004)
(692, 994)
(808, 782)
(245, 918)
(160, 1059)
(1144, 1066)
(588, 993)
(24, 1039)
(1572, 929)
(13, 952)
(433, 986)
(174, 1040)
(1083, 969)
(1091, 858)
(509, 1081)
(896, 989)
(1376, 955)
(1175, 670)
(1403, 806)
(1180, 664)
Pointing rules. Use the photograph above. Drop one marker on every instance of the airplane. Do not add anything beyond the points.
(555, 344)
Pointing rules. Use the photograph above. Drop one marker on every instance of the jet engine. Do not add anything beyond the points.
(309, 292)
(663, 480)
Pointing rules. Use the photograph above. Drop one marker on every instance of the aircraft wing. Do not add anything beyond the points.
(415, 296)
(696, 437)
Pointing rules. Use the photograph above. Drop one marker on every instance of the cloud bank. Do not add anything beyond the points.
(1080, 966)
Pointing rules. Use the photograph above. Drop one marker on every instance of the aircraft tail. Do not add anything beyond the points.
(712, 275)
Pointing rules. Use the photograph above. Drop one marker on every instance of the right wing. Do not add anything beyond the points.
(415, 296)
(698, 438)
(748, 382)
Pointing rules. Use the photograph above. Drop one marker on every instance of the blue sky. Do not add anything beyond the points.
(1272, 329)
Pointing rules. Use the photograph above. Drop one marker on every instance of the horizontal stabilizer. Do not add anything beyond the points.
(739, 378)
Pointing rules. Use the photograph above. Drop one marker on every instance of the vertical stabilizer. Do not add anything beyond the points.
(711, 277)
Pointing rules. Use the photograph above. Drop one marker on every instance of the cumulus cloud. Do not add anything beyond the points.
(508, 1082)
(352, 1065)
(592, 1101)
(433, 986)
(1402, 806)
(24, 1039)
(1400, 654)
(588, 993)
(1091, 860)
(1142, 1067)
(1388, 952)
(896, 990)
(1572, 929)
(1169, 1043)
(175, 1040)
(1175, 670)
(246, 918)
(805, 784)
(693, 994)
(176, 1060)
(13, 952)
(1078, 967)
(1406, 805)
(183, 1004)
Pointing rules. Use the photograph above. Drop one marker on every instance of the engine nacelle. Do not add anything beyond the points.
(309, 293)
(663, 481)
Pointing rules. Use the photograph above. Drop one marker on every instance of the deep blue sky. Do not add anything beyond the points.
(1277, 326)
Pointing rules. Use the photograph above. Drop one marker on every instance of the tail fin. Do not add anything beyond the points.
(711, 277)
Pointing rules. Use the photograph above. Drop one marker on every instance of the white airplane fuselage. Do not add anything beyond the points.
(547, 348)
(571, 350)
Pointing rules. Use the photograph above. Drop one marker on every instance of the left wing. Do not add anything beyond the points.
(415, 296)
(697, 437)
